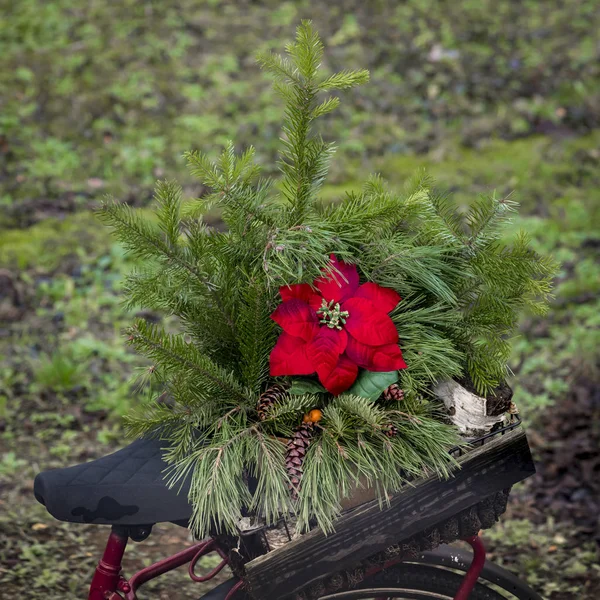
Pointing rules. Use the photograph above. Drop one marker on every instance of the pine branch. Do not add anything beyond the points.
(271, 497)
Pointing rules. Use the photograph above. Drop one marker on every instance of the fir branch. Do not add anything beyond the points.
(155, 419)
(363, 414)
(485, 216)
(283, 417)
(397, 263)
(137, 235)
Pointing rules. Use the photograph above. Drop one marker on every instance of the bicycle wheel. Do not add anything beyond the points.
(406, 582)
(413, 582)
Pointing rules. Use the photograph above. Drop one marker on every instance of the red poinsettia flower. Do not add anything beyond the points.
(334, 327)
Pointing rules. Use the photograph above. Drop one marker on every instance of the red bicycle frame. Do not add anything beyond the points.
(108, 582)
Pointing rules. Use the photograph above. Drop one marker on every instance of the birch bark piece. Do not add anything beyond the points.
(466, 410)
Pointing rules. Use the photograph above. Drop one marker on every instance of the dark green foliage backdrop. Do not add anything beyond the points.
(103, 97)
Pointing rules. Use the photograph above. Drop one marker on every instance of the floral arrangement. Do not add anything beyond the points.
(310, 334)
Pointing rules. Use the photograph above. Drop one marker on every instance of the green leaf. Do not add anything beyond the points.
(306, 386)
(371, 385)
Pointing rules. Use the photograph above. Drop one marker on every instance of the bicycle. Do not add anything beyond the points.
(127, 491)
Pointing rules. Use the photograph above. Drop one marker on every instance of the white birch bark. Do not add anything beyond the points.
(466, 410)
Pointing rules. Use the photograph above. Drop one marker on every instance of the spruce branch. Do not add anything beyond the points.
(325, 107)
(257, 333)
(344, 80)
(144, 240)
(177, 355)
(168, 196)
(231, 180)
(304, 159)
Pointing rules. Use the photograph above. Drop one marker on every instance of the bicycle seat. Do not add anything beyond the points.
(124, 488)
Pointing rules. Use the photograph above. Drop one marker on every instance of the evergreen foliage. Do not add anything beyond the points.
(462, 290)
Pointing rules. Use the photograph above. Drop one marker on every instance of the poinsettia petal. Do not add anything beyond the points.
(297, 318)
(341, 377)
(325, 348)
(385, 299)
(301, 291)
(375, 358)
(289, 357)
(340, 282)
(368, 324)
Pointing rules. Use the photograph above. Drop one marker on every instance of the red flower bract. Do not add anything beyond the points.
(335, 327)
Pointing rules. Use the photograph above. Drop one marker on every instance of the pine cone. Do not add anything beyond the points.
(390, 430)
(296, 453)
(268, 398)
(393, 393)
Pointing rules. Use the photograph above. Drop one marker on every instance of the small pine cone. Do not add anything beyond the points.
(271, 396)
(393, 393)
(296, 452)
(390, 430)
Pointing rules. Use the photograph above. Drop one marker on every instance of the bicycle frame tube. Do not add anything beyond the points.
(108, 572)
(109, 584)
(466, 587)
(471, 576)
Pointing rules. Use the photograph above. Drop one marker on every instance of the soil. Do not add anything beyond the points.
(566, 444)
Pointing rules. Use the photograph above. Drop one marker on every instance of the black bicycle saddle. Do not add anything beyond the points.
(124, 488)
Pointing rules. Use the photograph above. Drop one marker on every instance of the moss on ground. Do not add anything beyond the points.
(46, 245)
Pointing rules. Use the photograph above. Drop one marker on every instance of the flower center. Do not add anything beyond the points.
(332, 315)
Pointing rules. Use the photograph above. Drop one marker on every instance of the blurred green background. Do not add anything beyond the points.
(104, 97)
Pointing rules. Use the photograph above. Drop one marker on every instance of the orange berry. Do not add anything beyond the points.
(315, 415)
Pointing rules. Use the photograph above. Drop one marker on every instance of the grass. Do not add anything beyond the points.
(144, 83)
(105, 97)
(544, 552)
